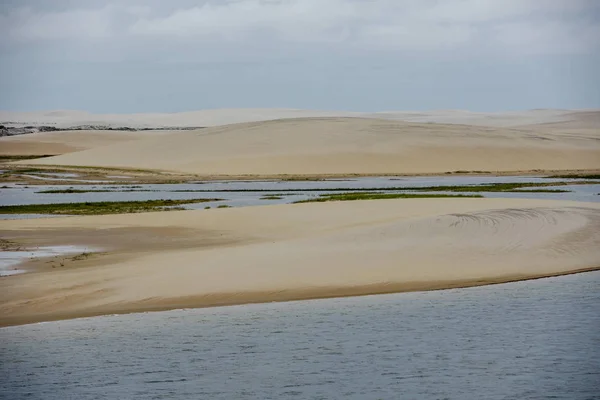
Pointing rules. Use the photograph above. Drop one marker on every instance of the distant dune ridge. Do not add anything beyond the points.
(299, 142)
(206, 118)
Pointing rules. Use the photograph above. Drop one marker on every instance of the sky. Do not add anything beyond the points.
(127, 56)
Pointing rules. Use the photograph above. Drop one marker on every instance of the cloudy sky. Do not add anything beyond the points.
(362, 55)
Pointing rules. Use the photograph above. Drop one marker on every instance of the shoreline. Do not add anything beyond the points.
(164, 176)
(307, 294)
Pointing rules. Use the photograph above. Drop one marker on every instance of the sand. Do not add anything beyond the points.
(168, 260)
(201, 118)
(51, 143)
(275, 142)
(346, 146)
(217, 117)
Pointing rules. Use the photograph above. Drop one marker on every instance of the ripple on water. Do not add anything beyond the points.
(525, 340)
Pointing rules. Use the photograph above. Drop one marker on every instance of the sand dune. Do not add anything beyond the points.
(202, 118)
(215, 117)
(162, 261)
(321, 146)
(507, 119)
(569, 122)
(45, 143)
(326, 143)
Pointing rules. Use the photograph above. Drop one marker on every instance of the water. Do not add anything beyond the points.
(16, 194)
(59, 177)
(10, 260)
(528, 340)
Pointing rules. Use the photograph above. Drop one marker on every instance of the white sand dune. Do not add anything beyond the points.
(508, 119)
(202, 118)
(215, 117)
(46, 143)
(160, 261)
(323, 146)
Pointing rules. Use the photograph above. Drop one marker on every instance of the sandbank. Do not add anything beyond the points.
(162, 261)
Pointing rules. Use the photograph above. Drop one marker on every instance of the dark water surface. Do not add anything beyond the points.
(528, 340)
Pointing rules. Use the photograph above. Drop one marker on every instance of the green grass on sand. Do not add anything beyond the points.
(377, 196)
(100, 208)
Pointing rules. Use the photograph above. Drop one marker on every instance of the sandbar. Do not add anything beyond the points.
(203, 258)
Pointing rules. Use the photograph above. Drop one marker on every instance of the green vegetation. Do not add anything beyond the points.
(111, 189)
(70, 190)
(81, 256)
(99, 208)
(576, 176)
(32, 171)
(487, 187)
(496, 187)
(9, 158)
(377, 196)
(532, 187)
(111, 169)
(224, 206)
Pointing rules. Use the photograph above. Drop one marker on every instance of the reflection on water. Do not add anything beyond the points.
(528, 340)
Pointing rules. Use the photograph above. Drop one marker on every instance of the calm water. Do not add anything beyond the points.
(528, 340)
(19, 194)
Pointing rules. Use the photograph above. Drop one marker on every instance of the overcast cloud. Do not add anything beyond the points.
(154, 55)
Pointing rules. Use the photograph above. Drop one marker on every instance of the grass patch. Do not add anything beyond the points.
(33, 171)
(111, 169)
(110, 189)
(83, 256)
(67, 191)
(9, 158)
(272, 197)
(576, 176)
(377, 196)
(100, 208)
(496, 187)
(539, 191)
(224, 206)
(487, 187)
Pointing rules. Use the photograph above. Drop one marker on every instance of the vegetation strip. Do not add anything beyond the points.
(576, 176)
(70, 191)
(488, 187)
(99, 208)
(8, 158)
(377, 196)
